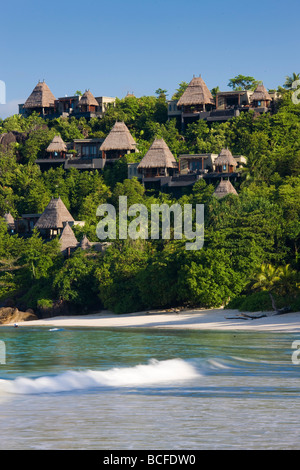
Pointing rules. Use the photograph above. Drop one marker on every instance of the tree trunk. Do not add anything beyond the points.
(273, 302)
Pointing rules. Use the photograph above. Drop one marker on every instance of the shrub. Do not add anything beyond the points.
(45, 303)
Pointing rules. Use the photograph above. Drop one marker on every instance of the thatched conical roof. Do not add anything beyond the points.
(119, 138)
(41, 97)
(225, 158)
(54, 216)
(85, 244)
(88, 99)
(260, 94)
(158, 156)
(9, 219)
(224, 188)
(196, 93)
(67, 238)
(57, 145)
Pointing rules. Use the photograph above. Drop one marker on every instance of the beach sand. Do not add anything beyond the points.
(196, 319)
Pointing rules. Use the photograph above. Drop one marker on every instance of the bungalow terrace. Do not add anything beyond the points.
(200, 163)
(87, 155)
(208, 163)
(83, 154)
(69, 106)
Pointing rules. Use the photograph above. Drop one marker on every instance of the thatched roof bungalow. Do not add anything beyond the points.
(41, 100)
(224, 188)
(54, 218)
(158, 161)
(68, 241)
(85, 244)
(196, 97)
(118, 142)
(10, 222)
(88, 102)
(225, 163)
(57, 148)
(260, 97)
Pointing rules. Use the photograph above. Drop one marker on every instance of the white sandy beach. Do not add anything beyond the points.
(211, 319)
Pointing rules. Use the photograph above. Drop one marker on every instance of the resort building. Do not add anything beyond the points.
(261, 98)
(87, 154)
(41, 101)
(200, 163)
(69, 106)
(46, 105)
(118, 143)
(196, 102)
(88, 103)
(57, 148)
(160, 171)
(10, 222)
(174, 112)
(54, 218)
(69, 243)
(158, 163)
(83, 154)
(224, 188)
(225, 163)
(208, 163)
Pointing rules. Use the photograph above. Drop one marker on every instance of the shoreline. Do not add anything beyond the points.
(194, 319)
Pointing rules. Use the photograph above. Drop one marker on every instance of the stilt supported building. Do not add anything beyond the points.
(57, 148)
(196, 102)
(54, 218)
(158, 163)
(41, 101)
(118, 143)
(88, 103)
(225, 163)
(261, 99)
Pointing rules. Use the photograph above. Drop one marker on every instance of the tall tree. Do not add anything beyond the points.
(290, 79)
(180, 90)
(242, 82)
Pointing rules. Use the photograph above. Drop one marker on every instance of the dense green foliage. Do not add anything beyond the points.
(259, 228)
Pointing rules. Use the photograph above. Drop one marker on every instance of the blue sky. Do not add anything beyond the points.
(112, 47)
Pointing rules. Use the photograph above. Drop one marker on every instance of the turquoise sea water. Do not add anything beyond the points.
(81, 388)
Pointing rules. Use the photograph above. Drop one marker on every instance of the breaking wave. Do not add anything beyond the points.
(155, 372)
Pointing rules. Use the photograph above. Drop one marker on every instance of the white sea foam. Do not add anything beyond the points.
(154, 372)
(217, 364)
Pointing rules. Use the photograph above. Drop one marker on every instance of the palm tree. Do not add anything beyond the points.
(265, 279)
(289, 80)
(283, 279)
